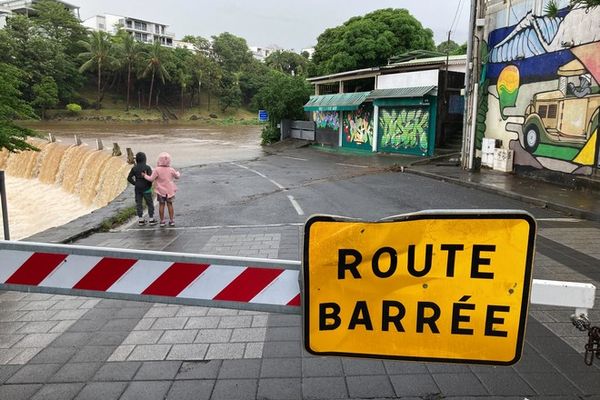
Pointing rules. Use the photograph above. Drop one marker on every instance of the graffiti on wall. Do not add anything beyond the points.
(404, 128)
(327, 119)
(358, 127)
(543, 93)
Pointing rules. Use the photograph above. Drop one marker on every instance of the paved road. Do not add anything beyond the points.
(64, 347)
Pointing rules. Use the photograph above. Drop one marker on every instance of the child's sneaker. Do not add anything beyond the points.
(141, 222)
(171, 223)
(152, 222)
(163, 223)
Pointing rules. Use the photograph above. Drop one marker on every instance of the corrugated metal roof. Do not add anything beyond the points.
(398, 93)
(452, 60)
(336, 102)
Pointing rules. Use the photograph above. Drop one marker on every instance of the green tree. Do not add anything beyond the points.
(231, 51)
(26, 46)
(208, 74)
(369, 41)
(202, 44)
(452, 48)
(230, 94)
(130, 52)
(98, 56)
(183, 74)
(155, 65)
(12, 137)
(283, 97)
(288, 62)
(61, 27)
(46, 95)
(253, 77)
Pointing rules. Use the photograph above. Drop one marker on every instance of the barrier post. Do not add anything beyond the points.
(4, 206)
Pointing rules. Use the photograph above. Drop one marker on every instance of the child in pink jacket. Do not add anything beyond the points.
(165, 188)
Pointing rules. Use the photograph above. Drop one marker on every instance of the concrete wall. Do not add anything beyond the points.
(539, 91)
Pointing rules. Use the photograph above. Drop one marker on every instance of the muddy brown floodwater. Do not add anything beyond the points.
(34, 206)
(188, 144)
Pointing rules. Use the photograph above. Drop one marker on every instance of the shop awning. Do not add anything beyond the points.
(399, 93)
(336, 102)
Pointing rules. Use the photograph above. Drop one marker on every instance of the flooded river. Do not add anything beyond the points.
(34, 206)
(188, 144)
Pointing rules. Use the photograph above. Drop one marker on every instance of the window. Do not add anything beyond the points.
(542, 110)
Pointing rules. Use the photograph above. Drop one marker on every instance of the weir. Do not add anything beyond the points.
(58, 184)
(93, 175)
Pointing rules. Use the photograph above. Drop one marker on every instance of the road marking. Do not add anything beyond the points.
(295, 158)
(296, 205)
(261, 175)
(291, 198)
(559, 219)
(353, 165)
(189, 228)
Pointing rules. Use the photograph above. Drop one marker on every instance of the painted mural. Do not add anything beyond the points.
(327, 119)
(404, 129)
(543, 97)
(357, 127)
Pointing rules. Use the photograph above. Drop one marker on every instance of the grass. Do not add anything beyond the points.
(118, 219)
(113, 110)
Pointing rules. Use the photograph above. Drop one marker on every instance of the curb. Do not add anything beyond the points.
(575, 212)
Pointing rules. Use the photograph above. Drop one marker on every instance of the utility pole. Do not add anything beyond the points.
(474, 42)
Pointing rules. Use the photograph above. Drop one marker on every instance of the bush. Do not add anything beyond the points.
(270, 134)
(73, 108)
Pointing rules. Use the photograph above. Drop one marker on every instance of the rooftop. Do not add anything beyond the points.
(438, 61)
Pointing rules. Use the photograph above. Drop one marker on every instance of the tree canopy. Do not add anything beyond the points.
(231, 51)
(452, 48)
(369, 41)
(12, 137)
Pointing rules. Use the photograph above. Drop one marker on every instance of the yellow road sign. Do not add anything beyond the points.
(436, 286)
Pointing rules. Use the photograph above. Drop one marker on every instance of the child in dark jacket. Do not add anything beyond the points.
(143, 188)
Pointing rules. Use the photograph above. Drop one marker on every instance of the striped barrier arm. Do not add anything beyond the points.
(216, 281)
(181, 278)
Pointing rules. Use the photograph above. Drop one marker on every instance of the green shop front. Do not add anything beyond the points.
(406, 120)
(383, 120)
(343, 119)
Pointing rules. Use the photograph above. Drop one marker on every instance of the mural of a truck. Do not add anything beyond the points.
(566, 117)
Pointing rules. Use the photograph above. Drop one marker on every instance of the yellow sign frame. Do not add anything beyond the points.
(447, 286)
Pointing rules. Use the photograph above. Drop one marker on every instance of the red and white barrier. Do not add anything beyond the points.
(217, 281)
(244, 283)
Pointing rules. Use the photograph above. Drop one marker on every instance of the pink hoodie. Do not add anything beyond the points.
(163, 176)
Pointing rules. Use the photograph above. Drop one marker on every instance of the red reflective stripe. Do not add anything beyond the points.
(175, 279)
(248, 284)
(104, 274)
(295, 301)
(36, 268)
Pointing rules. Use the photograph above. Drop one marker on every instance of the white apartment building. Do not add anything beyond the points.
(142, 30)
(260, 53)
(4, 13)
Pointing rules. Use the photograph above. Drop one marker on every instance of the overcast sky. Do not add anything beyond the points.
(286, 23)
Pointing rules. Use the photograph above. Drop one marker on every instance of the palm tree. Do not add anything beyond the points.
(155, 64)
(98, 54)
(131, 52)
(183, 78)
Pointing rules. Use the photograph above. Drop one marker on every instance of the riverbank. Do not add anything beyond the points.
(192, 116)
